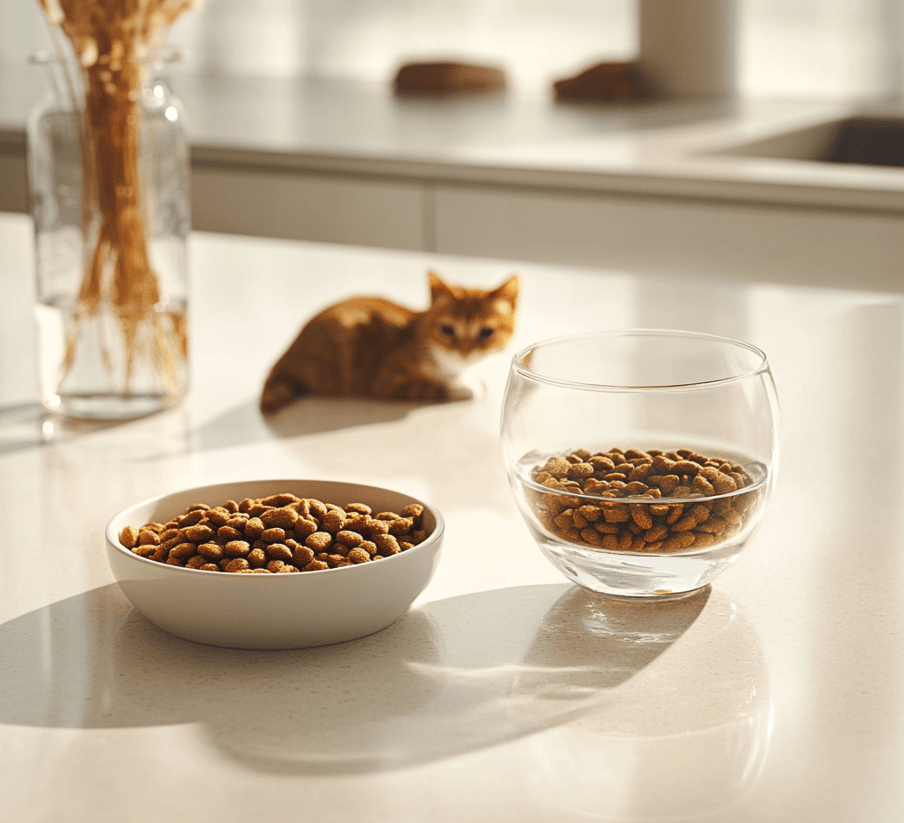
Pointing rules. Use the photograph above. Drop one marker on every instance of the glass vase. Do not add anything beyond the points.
(108, 172)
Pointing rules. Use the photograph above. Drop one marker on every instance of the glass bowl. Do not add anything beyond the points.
(642, 460)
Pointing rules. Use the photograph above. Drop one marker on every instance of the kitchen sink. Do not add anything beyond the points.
(862, 140)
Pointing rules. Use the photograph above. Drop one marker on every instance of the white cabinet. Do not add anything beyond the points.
(723, 239)
(687, 237)
(301, 206)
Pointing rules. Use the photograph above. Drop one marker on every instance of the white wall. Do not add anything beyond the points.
(786, 47)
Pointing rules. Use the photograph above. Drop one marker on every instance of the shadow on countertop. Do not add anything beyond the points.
(244, 423)
(433, 685)
(26, 426)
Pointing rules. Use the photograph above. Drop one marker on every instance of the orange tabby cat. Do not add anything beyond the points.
(371, 347)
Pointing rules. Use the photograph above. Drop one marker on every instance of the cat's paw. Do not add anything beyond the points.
(460, 392)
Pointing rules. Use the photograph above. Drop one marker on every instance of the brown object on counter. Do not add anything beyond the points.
(607, 82)
(442, 78)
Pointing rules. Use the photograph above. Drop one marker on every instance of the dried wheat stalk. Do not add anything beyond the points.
(114, 42)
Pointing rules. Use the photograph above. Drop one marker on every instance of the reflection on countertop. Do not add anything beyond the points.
(615, 694)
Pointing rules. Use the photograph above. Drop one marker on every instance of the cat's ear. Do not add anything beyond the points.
(438, 287)
(508, 291)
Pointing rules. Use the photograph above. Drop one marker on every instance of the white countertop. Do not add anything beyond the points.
(671, 149)
(778, 695)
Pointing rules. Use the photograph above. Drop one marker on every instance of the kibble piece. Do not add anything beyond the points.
(387, 544)
(227, 533)
(359, 508)
(254, 527)
(146, 537)
(375, 526)
(211, 551)
(302, 555)
(686, 467)
(160, 553)
(183, 550)
(349, 538)
(358, 556)
(370, 547)
(580, 470)
(606, 528)
(702, 485)
(641, 516)
(684, 524)
(279, 500)
(279, 518)
(333, 521)
(601, 464)
(319, 541)
(279, 551)
(237, 564)
(198, 533)
(317, 507)
(616, 512)
(218, 516)
(190, 518)
(129, 537)
(401, 525)
(591, 536)
(682, 540)
(237, 548)
(723, 484)
(305, 526)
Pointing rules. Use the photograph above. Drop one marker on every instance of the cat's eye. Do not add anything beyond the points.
(447, 330)
(486, 331)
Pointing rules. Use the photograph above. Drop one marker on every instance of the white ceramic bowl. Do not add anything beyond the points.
(273, 611)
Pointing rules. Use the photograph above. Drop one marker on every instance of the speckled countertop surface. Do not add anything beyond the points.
(504, 694)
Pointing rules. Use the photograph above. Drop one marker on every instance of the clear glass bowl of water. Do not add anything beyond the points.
(641, 460)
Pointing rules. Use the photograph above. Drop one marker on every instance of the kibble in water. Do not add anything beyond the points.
(642, 500)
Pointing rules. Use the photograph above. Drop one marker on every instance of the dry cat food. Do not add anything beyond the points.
(276, 534)
(642, 501)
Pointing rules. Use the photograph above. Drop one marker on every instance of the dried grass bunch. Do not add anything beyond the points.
(114, 43)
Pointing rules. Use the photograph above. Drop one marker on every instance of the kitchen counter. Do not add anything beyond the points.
(671, 148)
(656, 187)
(504, 693)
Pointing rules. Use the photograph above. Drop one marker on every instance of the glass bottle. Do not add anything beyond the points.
(109, 195)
